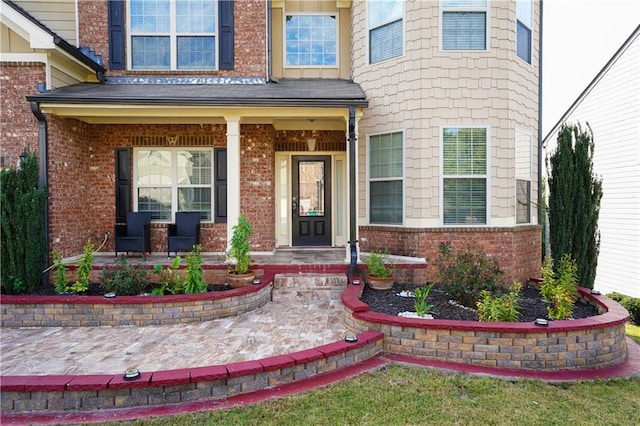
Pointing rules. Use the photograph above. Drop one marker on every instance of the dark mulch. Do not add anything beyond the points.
(531, 305)
(96, 289)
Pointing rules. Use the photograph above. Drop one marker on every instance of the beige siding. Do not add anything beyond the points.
(11, 42)
(58, 15)
(280, 9)
(428, 88)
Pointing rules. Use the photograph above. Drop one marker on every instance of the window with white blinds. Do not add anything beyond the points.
(464, 171)
(464, 24)
(386, 32)
(386, 178)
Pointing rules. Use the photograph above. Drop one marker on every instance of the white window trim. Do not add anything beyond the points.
(403, 178)
(487, 29)
(487, 176)
(174, 179)
(173, 41)
(284, 39)
(368, 37)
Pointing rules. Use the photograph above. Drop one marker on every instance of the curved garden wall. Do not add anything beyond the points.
(95, 311)
(587, 343)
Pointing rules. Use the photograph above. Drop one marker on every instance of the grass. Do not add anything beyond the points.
(399, 395)
(633, 331)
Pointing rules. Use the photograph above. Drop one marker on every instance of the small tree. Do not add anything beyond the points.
(23, 247)
(574, 201)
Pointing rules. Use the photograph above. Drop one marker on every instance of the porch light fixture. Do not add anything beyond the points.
(311, 144)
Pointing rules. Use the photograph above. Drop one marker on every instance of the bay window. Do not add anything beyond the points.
(464, 24)
(386, 178)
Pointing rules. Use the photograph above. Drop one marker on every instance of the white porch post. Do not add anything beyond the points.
(233, 172)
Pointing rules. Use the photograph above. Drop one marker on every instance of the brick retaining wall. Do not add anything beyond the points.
(587, 343)
(102, 392)
(95, 311)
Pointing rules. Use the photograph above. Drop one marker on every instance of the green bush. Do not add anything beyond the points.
(170, 280)
(420, 303)
(466, 273)
(559, 287)
(124, 279)
(23, 244)
(505, 308)
(631, 304)
(194, 277)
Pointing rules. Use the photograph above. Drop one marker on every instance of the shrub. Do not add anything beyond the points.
(23, 243)
(379, 265)
(559, 287)
(169, 278)
(575, 193)
(60, 278)
(85, 265)
(124, 279)
(466, 273)
(420, 303)
(505, 308)
(194, 278)
(631, 304)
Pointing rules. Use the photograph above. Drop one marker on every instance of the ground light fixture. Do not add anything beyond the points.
(541, 322)
(131, 374)
(351, 338)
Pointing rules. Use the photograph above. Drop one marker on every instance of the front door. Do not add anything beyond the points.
(311, 200)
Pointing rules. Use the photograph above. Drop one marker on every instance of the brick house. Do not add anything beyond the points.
(396, 124)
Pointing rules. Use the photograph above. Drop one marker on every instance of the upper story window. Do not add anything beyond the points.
(311, 40)
(386, 178)
(173, 34)
(464, 24)
(169, 180)
(464, 175)
(386, 33)
(524, 24)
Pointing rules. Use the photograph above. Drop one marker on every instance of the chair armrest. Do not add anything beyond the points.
(173, 230)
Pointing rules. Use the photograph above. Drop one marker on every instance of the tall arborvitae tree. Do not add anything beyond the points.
(22, 234)
(574, 201)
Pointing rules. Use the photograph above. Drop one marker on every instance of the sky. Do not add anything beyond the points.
(579, 38)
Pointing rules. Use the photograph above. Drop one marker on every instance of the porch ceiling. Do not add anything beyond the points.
(316, 104)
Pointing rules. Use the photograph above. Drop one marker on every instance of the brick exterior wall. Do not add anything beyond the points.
(517, 249)
(249, 39)
(19, 127)
(82, 181)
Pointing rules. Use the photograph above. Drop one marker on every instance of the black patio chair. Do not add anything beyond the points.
(135, 235)
(185, 233)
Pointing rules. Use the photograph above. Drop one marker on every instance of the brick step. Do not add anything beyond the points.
(308, 287)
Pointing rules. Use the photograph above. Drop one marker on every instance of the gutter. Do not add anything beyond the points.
(77, 54)
(541, 218)
(43, 146)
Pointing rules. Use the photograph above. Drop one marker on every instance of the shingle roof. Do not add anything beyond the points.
(286, 92)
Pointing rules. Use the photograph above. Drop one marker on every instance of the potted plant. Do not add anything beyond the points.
(238, 257)
(380, 276)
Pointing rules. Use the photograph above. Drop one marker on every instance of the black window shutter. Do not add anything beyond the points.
(220, 185)
(123, 184)
(116, 35)
(225, 34)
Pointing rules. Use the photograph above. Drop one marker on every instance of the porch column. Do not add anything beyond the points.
(233, 172)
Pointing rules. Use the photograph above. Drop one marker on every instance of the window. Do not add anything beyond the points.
(523, 177)
(464, 24)
(170, 180)
(311, 40)
(523, 29)
(386, 38)
(464, 165)
(172, 34)
(385, 178)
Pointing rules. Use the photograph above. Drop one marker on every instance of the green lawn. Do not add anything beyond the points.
(397, 395)
(633, 331)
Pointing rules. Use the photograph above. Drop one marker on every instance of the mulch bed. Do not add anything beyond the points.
(532, 306)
